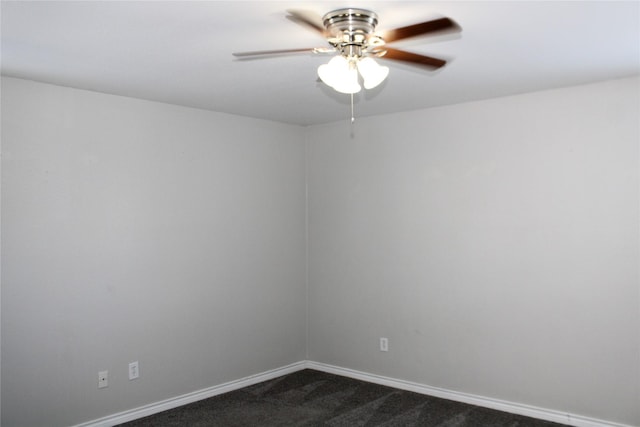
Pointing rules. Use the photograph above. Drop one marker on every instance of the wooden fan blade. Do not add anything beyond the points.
(308, 19)
(419, 29)
(413, 58)
(259, 53)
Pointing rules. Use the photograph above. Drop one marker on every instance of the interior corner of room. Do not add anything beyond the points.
(154, 254)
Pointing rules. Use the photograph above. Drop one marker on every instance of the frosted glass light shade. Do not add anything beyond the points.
(340, 75)
(348, 82)
(372, 73)
(330, 73)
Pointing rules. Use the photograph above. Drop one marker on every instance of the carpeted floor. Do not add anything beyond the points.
(313, 398)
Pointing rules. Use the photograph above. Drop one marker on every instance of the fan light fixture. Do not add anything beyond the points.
(350, 32)
(341, 73)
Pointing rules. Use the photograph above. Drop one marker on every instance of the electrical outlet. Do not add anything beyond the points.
(103, 379)
(384, 344)
(134, 372)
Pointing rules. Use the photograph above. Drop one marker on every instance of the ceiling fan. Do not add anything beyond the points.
(351, 35)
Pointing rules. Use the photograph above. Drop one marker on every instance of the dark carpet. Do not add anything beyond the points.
(313, 398)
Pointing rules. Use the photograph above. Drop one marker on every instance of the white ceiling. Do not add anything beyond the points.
(181, 52)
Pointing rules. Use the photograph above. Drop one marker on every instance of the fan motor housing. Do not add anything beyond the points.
(350, 21)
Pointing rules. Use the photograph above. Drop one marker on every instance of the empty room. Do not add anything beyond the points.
(386, 213)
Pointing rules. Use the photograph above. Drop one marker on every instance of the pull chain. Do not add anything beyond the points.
(353, 119)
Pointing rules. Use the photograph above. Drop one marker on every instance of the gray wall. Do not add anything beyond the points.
(494, 243)
(134, 230)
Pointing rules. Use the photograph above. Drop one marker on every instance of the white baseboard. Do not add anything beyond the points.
(195, 396)
(500, 405)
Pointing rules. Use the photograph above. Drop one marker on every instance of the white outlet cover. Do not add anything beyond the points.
(134, 372)
(103, 379)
